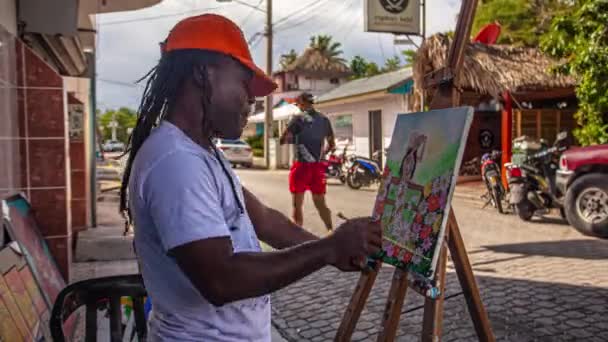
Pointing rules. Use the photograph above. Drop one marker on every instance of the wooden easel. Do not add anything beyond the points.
(446, 95)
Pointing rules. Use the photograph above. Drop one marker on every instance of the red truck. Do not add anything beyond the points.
(582, 184)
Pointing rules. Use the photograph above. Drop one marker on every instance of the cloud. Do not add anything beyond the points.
(128, 41)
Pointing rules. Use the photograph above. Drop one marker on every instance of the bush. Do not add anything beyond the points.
(257, 145)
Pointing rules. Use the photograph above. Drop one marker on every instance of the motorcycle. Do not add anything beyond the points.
(334, 165)
(364, 171)
(490, 172)
(532, 182)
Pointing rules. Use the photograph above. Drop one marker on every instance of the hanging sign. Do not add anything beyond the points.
(393, 16)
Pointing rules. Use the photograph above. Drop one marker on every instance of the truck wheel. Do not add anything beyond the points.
(525, 210)
(586, 205)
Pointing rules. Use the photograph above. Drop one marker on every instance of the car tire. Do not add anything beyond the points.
(586, 205)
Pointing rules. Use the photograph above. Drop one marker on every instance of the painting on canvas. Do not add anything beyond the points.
(417, 185)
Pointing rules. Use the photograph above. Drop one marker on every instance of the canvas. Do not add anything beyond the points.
(417, 186)
(22, 227)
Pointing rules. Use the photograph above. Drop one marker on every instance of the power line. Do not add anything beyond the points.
(242, 24)
(126, 21)
(303, 11)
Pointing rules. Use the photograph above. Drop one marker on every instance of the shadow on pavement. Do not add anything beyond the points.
(519, 310)
(577, 249)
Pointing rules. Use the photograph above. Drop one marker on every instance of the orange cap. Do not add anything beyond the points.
(217, 33)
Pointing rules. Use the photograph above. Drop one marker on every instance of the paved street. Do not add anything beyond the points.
(540, 281)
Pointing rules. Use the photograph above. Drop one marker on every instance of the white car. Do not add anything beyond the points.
(237, 152)
(113, 146)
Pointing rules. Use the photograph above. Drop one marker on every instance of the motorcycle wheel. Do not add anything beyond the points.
(353, 181)
(524, 210)
(342, 179)
(497, 199)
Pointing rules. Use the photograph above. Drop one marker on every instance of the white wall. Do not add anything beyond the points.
(390, 105)
(8, 16)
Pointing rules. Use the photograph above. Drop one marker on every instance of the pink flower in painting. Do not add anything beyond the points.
(433, 202)
(389, 249)
(416, 259)
(443, 199)
(407, 257)
(427, 244)
(417, 227)
(436, 185)
(426, 232)
(395, 252)
(418, 218)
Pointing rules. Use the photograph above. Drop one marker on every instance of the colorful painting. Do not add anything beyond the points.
(418, 181)
(22, 228)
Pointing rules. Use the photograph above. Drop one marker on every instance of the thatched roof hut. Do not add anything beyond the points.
(492, 69)
(312, 63)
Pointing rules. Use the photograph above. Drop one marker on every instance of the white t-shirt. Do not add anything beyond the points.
(179, 193)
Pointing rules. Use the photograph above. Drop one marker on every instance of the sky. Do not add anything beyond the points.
(127, 42)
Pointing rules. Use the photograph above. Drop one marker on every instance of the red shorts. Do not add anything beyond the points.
(307, 176)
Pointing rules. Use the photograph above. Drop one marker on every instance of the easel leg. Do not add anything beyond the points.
(467, 281)
(357, 302)
(394, 303)
(432, 323)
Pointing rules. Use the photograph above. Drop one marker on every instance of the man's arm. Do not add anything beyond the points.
(272, 226)
(331, 141)
(222, 276)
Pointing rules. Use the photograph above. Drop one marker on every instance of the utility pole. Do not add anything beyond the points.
(268, 101)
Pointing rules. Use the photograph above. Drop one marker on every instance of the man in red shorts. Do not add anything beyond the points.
(308, 132)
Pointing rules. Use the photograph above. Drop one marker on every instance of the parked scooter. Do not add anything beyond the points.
(364, 171)
(490, 172)
(334, 165)
(532, 182)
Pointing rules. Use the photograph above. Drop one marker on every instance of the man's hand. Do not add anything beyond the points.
(353, 241)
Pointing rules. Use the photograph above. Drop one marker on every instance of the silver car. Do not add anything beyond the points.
(237, 152)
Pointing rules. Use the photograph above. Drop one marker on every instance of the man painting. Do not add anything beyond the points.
(309, 132)
(196, 227)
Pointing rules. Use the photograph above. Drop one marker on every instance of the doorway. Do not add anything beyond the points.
(375, 133)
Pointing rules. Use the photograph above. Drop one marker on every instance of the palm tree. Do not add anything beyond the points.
(327, 48)
(392, 64)
(410, 57)
(288, 58)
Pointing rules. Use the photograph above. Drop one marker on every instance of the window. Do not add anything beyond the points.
(343, 126)
(334, 81)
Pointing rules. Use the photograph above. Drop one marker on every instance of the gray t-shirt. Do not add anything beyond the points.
(310, 129)
(179, 193)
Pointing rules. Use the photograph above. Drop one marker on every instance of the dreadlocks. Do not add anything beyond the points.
(159, 97)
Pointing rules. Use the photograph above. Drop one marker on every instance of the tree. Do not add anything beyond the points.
(327, 48)
(410, 57)
(358, 65)
(125, 117)
(523, 22)
(288, 58)
(579, 38)
(372, 69)
(392, 64)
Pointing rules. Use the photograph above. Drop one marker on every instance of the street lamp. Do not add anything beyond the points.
(268, 99)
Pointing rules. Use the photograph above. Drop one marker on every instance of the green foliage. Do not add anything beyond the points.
(410, 57)
(522, 21)
(363, 68)
(288, 58)
(358, 65)
(324, 44)
(257, 145)
(126, 118)
(392, 64)
(579, 38)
